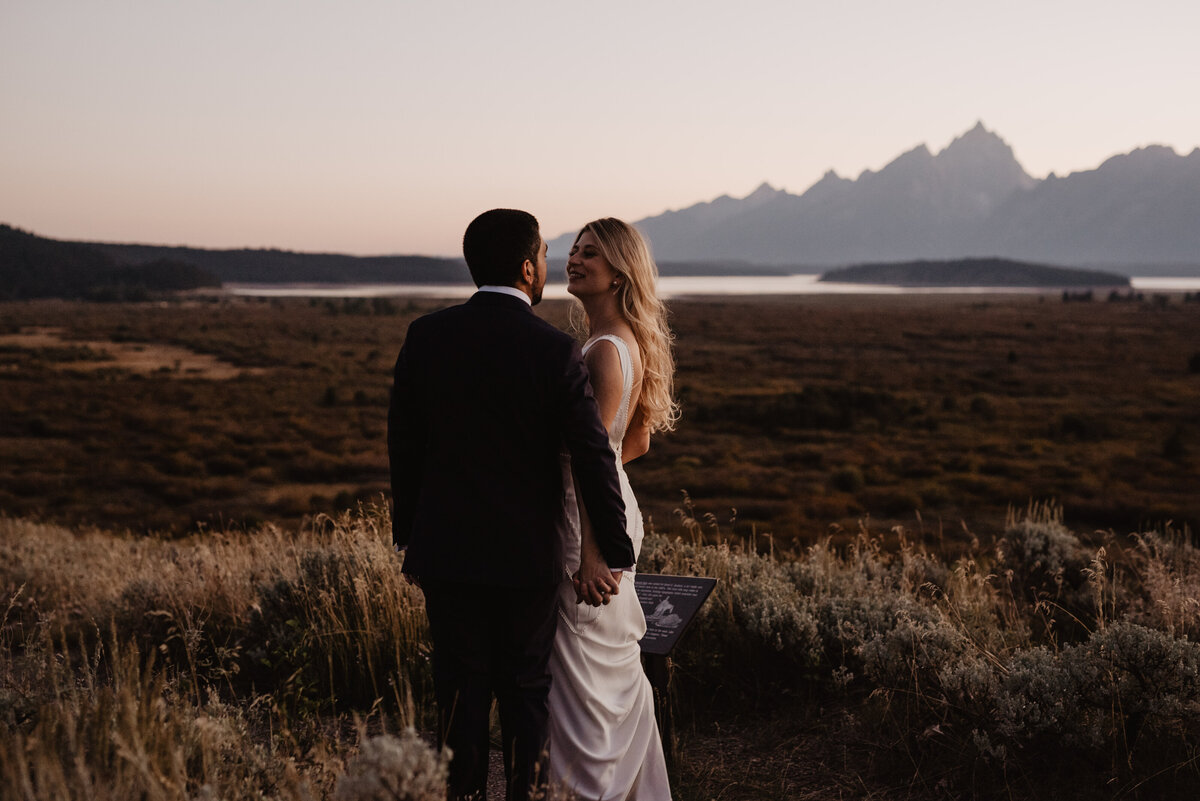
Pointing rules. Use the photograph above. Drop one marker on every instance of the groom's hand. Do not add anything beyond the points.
(595, 584)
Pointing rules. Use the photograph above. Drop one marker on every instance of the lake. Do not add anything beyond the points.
(676, 286)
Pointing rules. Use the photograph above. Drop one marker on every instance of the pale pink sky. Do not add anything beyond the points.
(384, 127)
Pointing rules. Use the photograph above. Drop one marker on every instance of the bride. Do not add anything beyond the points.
(604, 741)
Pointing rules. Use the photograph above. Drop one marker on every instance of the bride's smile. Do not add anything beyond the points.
(588, 272)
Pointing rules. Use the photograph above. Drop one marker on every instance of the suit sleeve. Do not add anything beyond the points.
(405, 447)
(594, 464)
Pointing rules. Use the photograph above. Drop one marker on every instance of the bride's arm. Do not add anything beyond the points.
(637, 438)
(592, 566)
(604, 370)
(604, 367)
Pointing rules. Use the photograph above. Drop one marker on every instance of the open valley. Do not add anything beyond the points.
(802, 415)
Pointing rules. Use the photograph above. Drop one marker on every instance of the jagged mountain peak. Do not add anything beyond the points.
(1146, 156)
(764, 191)
(830, 178)
(1148, 165)
(977, 135)
(763, 195)
(830, 186)
(979, 147)
(978, 142)
(919, 156)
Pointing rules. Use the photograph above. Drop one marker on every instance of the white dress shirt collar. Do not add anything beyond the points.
(506, 290)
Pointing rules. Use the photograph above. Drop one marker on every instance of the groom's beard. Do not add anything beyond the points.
(536, 298)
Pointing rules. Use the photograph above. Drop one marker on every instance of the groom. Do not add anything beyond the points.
(487, 396)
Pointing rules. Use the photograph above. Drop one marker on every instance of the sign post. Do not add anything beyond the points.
(669, 603)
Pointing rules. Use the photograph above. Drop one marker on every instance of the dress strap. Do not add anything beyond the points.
(617, 435)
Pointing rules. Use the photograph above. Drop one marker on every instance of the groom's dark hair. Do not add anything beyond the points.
(497, 243)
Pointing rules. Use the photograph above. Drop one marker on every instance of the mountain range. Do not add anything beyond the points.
(971, 199)
(1138, 213)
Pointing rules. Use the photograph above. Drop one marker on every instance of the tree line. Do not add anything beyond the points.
(35, 267)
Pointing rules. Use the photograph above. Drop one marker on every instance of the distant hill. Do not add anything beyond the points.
(972, 199)
(287, 267)
(973, 273)
(249, 266)
(35, 267)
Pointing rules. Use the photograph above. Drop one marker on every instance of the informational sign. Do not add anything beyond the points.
(669, 603)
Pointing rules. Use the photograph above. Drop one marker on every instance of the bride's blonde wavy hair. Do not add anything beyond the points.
(627, 251)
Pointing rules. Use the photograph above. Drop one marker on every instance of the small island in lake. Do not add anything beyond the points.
(979, 272)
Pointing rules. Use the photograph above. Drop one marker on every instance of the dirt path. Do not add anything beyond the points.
(132, 356)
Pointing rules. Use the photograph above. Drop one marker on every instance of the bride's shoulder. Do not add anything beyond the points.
(616, 339)
(602, 352)
(631, 346)
(612, 344)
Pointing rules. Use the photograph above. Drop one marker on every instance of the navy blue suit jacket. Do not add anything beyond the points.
(487, 397)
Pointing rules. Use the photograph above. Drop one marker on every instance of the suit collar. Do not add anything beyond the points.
(511, 291)
(499, 299)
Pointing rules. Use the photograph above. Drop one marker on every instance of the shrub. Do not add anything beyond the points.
(1044, 563)
(1127, 689)
(847, 478)
(1081, 427)
(394, 768)
(1174, 447)
(912, 653)
(983, 406)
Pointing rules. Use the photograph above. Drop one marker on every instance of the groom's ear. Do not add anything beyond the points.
(528, 272)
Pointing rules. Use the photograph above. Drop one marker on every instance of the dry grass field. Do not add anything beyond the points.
(282, 663)
(802, 415)
(189, 611)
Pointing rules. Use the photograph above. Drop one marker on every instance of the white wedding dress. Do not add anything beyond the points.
(604, 741)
